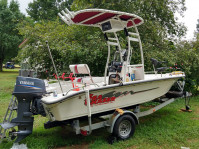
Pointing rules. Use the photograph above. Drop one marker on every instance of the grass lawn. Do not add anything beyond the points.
(167, 128)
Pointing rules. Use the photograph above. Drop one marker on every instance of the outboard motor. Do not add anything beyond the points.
(28, 92)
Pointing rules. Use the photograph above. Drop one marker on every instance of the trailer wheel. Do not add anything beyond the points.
(124, 127)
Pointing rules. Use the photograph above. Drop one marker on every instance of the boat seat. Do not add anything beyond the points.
(156, 63)
(114, 79)
(81, 69)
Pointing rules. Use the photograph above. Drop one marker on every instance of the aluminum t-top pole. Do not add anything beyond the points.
(54, 67)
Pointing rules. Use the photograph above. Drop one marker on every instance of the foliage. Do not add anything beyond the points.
(188, 54)
(47, 10)
(9, 37)
(89, 42)
(68, 45)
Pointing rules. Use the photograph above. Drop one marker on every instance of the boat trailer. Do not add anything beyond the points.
(30, 94)
(27, 103)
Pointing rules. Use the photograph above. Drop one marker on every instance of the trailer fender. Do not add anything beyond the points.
(117, 114)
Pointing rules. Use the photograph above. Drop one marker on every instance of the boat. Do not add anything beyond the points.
(124, 85)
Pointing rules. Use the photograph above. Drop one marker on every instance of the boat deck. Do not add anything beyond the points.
(67, 85)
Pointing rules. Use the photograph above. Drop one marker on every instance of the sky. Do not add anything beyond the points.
(190, 16)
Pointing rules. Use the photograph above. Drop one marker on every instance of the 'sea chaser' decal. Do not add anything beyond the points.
(110, 97)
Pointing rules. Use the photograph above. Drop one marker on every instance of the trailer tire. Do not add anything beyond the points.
(124, 127)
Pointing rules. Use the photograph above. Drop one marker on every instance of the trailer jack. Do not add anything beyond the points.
(187, 100)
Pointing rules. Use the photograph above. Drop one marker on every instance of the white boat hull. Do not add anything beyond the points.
(107, 98)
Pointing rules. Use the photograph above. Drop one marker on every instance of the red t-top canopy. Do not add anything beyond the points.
(95, 17)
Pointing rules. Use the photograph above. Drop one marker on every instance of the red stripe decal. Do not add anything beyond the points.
(76, 71)
(79, 79)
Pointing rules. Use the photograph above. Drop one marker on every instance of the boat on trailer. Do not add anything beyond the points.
(124, 85)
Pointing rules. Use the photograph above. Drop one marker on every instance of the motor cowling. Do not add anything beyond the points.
(29, 88)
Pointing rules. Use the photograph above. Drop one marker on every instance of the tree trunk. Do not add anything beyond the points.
(1, 65)
(1, 59)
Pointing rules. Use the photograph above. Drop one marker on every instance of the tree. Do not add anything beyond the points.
(9, 17)
(187, 54)
(68, 46)
(47, 10)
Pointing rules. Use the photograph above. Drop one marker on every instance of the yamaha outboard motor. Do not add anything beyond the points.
(28, 92)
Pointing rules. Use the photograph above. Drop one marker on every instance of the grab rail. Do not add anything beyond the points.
(89, 111)
(137, 65)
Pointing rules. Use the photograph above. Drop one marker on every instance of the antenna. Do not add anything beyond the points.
(54, 67)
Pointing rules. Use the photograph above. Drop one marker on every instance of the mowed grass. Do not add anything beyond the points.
(168, 128)
(7, 82)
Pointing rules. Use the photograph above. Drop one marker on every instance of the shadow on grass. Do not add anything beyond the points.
(63, 137)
